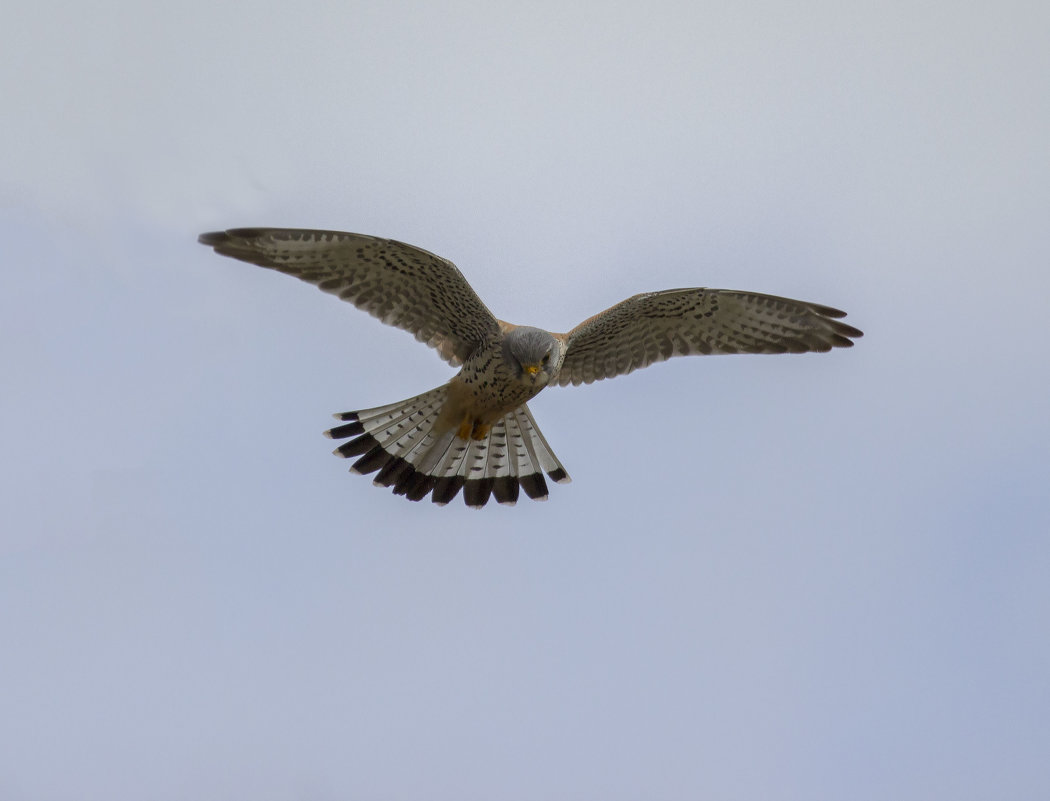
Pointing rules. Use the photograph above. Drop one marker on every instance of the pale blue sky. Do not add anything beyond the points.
(816, 577)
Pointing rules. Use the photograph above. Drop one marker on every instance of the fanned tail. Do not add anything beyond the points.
(400, 441)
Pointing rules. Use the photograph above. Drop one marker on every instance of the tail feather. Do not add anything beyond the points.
(521, 458)
(476, 492)
(548, 461)
(373, 460)
(505, 488)
(399, 443)
(446, 488)
(390, 474)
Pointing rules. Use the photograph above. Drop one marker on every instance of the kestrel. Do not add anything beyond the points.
(476, 432)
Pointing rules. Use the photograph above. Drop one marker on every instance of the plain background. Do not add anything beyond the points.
(815, 577)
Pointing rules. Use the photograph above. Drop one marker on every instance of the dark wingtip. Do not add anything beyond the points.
(833, 316)
(212, 238)
(827, 311)
(849, 331)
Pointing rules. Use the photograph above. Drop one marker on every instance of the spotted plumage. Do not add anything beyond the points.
(476, 434)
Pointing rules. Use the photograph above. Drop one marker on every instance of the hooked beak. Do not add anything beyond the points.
(532, 369)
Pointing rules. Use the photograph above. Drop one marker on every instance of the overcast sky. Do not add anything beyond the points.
(773, 577)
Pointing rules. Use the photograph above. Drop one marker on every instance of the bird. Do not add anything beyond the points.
(476, 433)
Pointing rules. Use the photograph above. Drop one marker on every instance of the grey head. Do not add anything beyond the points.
(532, 355)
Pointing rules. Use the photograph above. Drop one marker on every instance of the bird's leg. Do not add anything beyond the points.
(466, 427)
(472, 428)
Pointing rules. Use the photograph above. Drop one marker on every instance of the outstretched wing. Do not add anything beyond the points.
(679, 322)
(402, 285)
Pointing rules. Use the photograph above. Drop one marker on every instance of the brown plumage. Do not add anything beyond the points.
(476, 433)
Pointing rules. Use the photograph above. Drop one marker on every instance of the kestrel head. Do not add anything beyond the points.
(532, 355)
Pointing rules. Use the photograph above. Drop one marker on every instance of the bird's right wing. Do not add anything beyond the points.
(402, 285)
(655, 326)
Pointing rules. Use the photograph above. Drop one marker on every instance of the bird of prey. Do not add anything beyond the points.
(476, 432)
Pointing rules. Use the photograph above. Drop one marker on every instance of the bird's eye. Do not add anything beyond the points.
(547, 358)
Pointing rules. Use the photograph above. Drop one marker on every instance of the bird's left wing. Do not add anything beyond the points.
(655, 326)
(402, 285)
